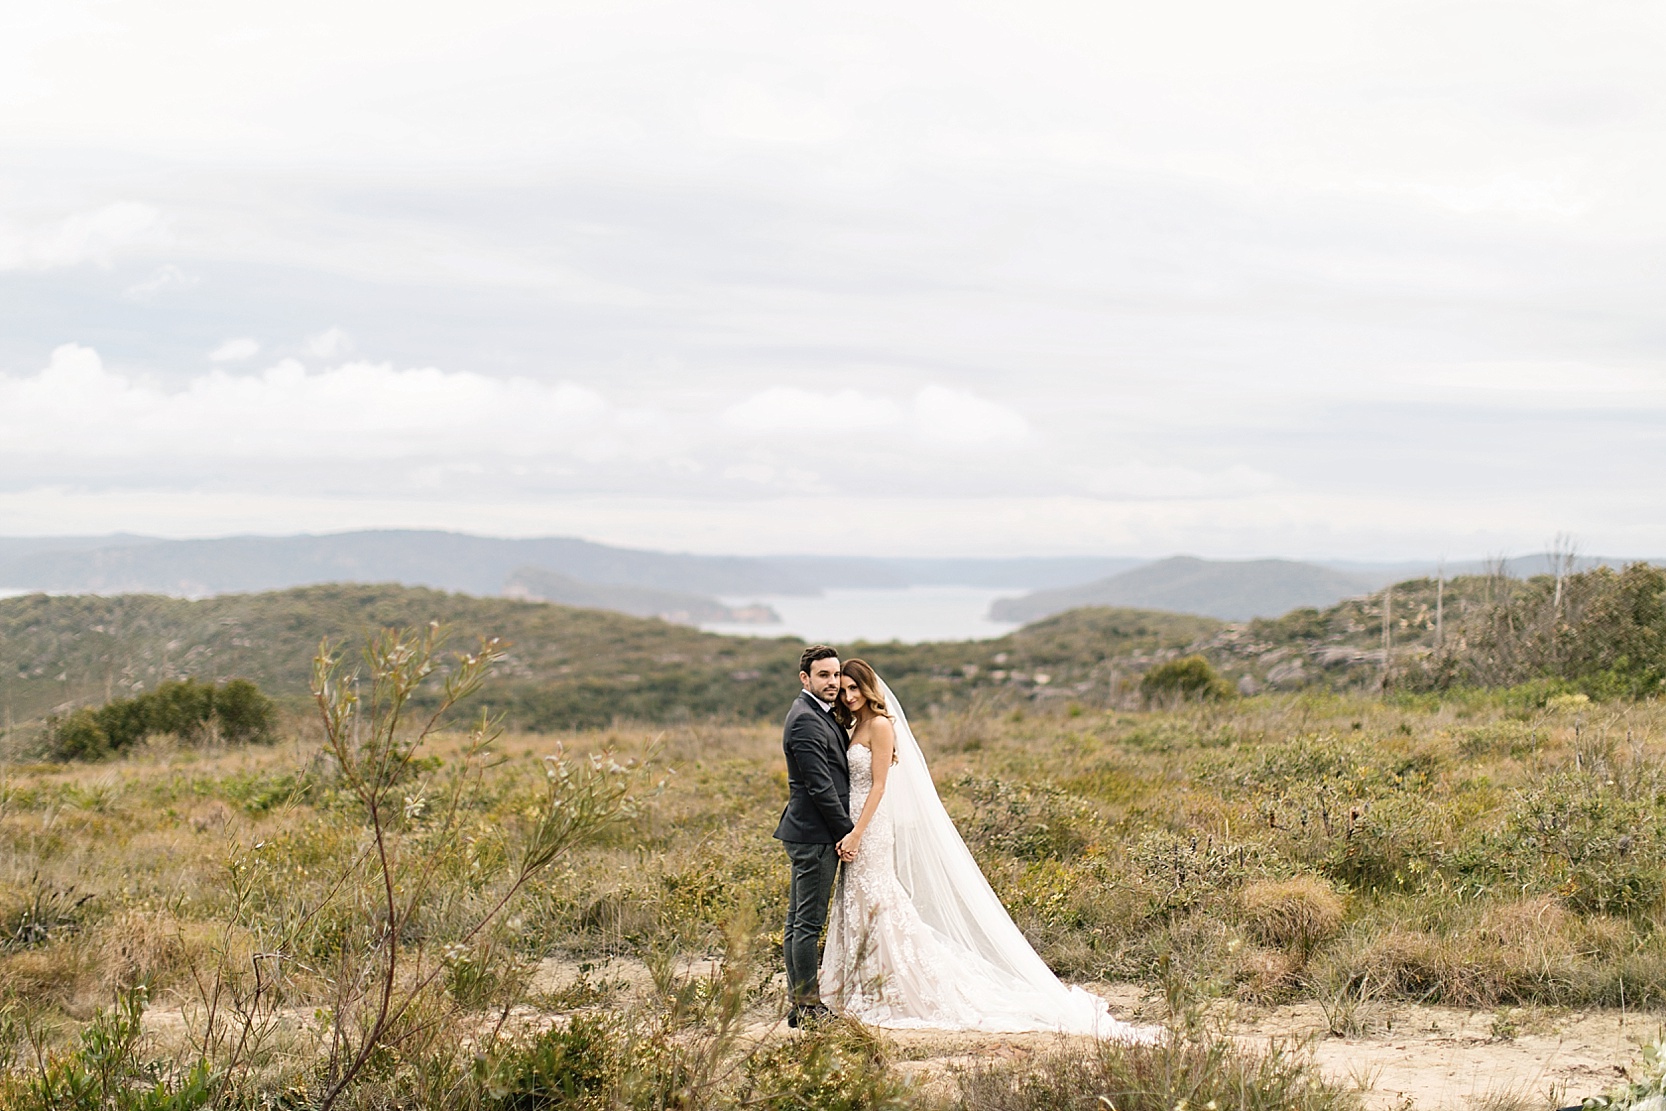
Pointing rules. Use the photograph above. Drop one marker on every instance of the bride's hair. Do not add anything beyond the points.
(867, 681)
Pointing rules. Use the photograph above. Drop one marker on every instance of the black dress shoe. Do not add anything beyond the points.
(809, 1015)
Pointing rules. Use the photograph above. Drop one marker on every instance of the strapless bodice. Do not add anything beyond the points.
(860, 758)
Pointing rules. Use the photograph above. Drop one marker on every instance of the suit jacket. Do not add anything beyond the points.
(818, 775)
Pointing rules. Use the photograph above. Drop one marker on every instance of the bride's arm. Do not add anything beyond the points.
(883, 736)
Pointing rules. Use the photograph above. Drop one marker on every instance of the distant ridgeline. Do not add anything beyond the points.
(566, 667)
(675, 586)
(1601, 631)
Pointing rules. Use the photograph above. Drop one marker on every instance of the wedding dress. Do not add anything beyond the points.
(918, 939)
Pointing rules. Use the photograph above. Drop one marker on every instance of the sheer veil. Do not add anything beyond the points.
(956, 902)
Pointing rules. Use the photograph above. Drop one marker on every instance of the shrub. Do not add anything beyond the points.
(244, 713)
(840, 1067)
(77, 737)
(1579, 836)
(1025, 820)
(103, 1071)
(1189, 678)
(182, 707)
(579, 1064)
(1177, 871)
(40, 913)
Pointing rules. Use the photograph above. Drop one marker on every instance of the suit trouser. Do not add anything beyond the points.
(814, 867)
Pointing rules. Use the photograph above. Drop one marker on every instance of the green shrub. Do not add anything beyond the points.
(578, 1064)
(244, 713)
(1579, 837)
(1025, 820)
(840, 1067)
(1191, 678)
(77, 737)
(184, 708)
(103, 1071)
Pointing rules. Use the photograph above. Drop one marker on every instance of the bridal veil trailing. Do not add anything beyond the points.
(918, 938)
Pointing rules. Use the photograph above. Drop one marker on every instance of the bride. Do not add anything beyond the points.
(917, 937)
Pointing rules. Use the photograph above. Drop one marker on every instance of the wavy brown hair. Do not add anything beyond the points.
(867, 681)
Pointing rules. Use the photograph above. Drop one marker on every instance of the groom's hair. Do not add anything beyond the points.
(813, 653)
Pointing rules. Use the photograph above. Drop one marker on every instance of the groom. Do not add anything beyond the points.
(816, 817)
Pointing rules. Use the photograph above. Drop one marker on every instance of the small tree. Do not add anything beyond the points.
(243, 713)
(392, 977)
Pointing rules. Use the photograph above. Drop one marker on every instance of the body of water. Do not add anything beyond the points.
(913, 614)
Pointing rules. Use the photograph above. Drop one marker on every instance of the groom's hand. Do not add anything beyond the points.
(846, 848)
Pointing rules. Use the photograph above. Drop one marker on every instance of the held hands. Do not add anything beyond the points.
(847, 846)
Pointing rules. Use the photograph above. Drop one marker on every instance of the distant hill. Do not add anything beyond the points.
(1228, 589)
(443, 560)
(479, 565)
(538, 585)
(567, 667)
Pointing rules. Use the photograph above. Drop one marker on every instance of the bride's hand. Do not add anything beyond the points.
(847, 846)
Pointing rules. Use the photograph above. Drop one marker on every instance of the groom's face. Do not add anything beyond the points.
(822, 680)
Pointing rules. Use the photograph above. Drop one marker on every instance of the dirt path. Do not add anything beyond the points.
(1414, 1058)
(1437, 1058)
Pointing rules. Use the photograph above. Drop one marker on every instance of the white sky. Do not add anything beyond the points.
(1330, 279)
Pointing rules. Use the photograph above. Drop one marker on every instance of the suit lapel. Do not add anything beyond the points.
(835, 734)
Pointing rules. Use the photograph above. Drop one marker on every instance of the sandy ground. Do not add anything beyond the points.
(1436, 1057)
(1412, 1058)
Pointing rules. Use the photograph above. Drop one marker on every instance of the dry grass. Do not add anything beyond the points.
(1294, 914)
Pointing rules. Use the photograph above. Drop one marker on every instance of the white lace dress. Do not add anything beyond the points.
(886, 966)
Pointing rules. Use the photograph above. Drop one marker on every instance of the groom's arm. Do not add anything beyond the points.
(809, 750)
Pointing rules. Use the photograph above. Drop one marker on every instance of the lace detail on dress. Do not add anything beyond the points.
(882, 964)
(885, 966)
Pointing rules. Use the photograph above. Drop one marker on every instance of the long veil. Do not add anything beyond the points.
(953, 898)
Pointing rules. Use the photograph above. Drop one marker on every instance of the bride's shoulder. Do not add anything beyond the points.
(883, 728)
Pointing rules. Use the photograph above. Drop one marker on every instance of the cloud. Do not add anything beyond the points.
(235, 350)
(357, 410)
(1143, 481)
(789, 411)
(957, 419)
(164, 280)
(97, 236)
(330, 344)
(936, 416)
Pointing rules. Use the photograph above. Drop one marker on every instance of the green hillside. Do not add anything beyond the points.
(567, 666)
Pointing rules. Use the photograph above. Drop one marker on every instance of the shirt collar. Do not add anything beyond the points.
(814, 701)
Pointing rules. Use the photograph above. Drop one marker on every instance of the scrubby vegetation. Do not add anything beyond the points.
(1600, 632)
(374, 912)
(1476, 850)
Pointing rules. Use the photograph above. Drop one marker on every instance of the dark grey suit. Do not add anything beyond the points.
(817, 815)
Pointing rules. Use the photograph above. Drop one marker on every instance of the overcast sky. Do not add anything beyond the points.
(1345, 280)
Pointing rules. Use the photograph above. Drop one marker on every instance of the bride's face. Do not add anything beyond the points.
(852, 694)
